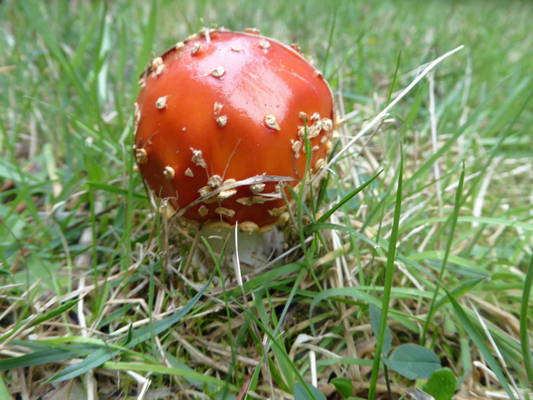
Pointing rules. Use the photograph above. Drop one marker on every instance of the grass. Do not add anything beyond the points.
(90, 270)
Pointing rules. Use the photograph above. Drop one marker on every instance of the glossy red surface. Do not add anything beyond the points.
(256, 82)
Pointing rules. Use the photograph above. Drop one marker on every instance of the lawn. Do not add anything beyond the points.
(418, 282)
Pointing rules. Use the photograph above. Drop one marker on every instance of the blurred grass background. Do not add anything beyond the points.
(68, 73)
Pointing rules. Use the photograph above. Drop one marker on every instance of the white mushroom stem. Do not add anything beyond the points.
(254, 249)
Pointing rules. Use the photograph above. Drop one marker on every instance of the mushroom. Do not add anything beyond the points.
(220, 121)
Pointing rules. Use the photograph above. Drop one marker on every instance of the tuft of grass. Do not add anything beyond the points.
(92, 269)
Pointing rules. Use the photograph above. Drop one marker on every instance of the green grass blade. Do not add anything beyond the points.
(46, 316)
(4, 393)
(455, 216)
(161, 369)
(38, 358)
(460, 290)
(394, 77)
(114, 189)
(524, 331)
(148, 38)
(389, 274)
(330, 40)
(346, 199)
(308, 229)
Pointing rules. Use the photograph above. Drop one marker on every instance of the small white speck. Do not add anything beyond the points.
(265, 44)
(159, 69)
(296, 146)
(205, 190)
(257, 187)
(222, 121)
(218, 72)
(320, 164)
(196, 48)
(327, 124)
(198, 158)
(156, 62)
(225, 211)
(226, 194)
(161, 102)
(214, 181)
(203, 211)
(140, 156)
(169, 172)
(271, 122)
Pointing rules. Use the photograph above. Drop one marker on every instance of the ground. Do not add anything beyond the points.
(90, 271)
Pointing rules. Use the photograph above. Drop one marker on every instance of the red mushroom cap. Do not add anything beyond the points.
(226, 107)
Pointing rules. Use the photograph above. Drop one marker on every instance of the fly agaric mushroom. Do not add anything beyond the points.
(221, 120)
